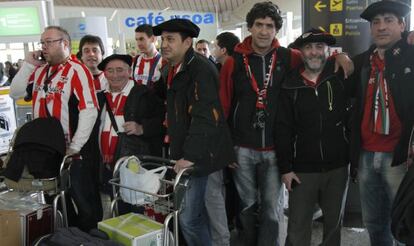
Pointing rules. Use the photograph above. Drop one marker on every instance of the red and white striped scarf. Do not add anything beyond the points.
(108, 136)
(381, 103)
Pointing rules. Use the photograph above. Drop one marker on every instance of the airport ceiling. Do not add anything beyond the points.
(219, 6)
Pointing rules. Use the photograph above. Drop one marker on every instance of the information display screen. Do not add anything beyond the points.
(22, 21)
(19, 21)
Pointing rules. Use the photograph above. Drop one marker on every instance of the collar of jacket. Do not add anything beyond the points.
(396, 50)
(246, 46)
(296, 81)
(188, 58)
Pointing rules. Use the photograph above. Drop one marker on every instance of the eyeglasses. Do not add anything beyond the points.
(117, 70)
(49, 43)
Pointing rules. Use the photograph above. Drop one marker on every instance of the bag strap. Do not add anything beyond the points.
(152, 69)
(134, 65)
(111, 115)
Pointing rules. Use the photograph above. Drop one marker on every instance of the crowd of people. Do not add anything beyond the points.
(253, 114)
(7, 71)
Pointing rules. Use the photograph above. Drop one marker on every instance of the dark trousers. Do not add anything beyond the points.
(328, 189)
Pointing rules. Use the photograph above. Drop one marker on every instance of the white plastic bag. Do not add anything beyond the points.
(145, 180)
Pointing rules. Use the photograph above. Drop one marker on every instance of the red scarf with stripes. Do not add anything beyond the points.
(381, 103)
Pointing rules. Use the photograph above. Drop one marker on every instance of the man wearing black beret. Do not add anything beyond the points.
(126, 109)
(383, 116)
(311, 144)
(197, 131)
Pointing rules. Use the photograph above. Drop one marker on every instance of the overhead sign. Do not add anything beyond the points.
(152, 18)
(19, 21)
(23, 21)
(78, 27)
(342, 19)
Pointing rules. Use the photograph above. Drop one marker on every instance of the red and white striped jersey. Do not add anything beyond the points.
(54, 85)
(141, 71)
(108, 138)
(100, 81)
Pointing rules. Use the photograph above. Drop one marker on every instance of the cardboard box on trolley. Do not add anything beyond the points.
(10, 227)
(34, 219)
(133, 230)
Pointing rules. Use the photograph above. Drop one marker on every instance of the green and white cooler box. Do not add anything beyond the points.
(133, 230)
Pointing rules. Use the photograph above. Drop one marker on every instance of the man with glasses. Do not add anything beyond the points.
(62, 87)
(53, 79)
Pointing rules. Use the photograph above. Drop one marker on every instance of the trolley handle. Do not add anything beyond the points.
(156, 159)
(66, 164)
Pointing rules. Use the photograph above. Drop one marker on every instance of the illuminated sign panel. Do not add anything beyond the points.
(19, 21)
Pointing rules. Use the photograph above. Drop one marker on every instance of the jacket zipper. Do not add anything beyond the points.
(264, 128)
(320, 126)
(234, 115)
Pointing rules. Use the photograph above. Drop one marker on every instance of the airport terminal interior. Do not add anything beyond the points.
(115, 23)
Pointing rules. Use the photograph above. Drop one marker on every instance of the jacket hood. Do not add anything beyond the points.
(246, 48)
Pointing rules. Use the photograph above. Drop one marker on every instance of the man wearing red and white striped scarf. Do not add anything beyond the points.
(383, 116)
(117, 72)
(135, 112)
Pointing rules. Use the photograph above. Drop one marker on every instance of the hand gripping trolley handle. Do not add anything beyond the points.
(167, 200)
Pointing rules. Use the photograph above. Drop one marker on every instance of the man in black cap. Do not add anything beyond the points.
(311, 146)
(126, 108)
(197, 131)
(383, 116)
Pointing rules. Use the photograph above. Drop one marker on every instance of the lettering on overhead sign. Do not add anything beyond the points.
(152, 19)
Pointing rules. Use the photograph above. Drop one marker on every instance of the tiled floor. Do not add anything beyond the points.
(352, 233)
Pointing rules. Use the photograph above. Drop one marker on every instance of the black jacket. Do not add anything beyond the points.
(196, 125)
(399, 73)
(311, 124)
(402, 215)
(242, 108)
(40, 145)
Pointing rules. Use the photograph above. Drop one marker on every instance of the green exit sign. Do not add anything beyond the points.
(21, 21)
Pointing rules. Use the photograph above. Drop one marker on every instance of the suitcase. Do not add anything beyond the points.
(35, 224)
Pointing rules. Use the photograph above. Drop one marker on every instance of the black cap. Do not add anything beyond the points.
(398, 8)
(314, 36)
(125, 58)
(177, 25)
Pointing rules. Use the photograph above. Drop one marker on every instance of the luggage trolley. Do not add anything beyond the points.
(168, 199)
(55, 186)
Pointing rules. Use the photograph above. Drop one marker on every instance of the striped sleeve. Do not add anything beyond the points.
(83, 88)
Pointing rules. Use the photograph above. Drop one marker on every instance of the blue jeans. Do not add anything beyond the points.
(378, 185)
(193, 214)
(258, 183)
(216, 209)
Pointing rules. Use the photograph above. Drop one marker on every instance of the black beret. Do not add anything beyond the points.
(125, 58)
(395, 7)
(177, 25)
(314, 36)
